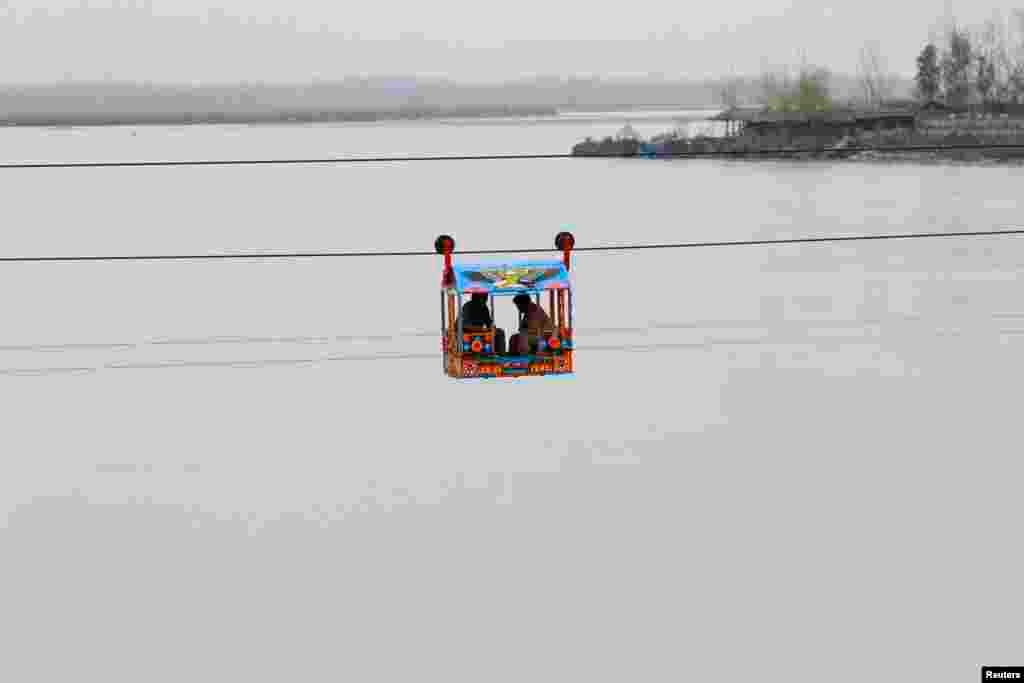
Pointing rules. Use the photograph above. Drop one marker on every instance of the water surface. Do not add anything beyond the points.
(776, 460)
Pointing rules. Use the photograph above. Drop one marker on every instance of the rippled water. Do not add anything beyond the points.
(780, 461)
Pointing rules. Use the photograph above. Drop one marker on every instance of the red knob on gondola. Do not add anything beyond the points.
(444, 244)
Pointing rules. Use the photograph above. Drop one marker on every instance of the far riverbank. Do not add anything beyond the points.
(130, 118)
(833, 135)
(717, 149)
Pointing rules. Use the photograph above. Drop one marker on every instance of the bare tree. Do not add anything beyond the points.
(874, 81)
(728, 92)
(775, 86)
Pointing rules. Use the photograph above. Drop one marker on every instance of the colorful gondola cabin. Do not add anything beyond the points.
(544, 341)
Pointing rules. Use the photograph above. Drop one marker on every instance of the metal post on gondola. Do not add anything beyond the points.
(564, 242)
(458, 336)
(444, 336)
(445, 245)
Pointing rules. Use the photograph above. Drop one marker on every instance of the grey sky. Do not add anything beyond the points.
(188, 40)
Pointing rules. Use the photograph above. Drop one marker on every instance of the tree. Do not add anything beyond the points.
(1001, 42)
(956, 64)
(1014, 56)
(985, 77)
(989, 73)
(813, 88)
(990, 58)
(808, 91)
(928, 73)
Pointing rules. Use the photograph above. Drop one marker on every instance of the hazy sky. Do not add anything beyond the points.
(297, 40)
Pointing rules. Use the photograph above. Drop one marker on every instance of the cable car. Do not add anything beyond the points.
(541, 291)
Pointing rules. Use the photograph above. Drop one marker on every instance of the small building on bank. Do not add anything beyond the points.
(831, 124)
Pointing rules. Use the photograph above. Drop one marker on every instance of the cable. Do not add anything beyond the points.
(615, 247)
(230, 256)
(284, 362)
(503, 157)
(652, 347)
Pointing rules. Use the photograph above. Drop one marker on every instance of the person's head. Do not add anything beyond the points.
(522, 302)
(478, 297)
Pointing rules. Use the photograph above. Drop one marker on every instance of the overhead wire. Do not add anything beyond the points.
(407, 334)
(596, 248)
(650, 347)
(627, 247)
(386, 356)
(276, 362)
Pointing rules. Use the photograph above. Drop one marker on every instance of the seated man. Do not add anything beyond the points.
(476, 314)
(534, 325)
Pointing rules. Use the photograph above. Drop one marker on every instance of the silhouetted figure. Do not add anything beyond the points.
(476, 314)
(534, 325)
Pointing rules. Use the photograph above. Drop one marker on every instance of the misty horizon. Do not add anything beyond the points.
(185, 42)
(426, 79)
(362, 99)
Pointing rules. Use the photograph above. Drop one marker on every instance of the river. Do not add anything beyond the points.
(786, 462)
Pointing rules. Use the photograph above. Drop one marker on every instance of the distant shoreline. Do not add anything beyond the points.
(52, 120)
(951, 157)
